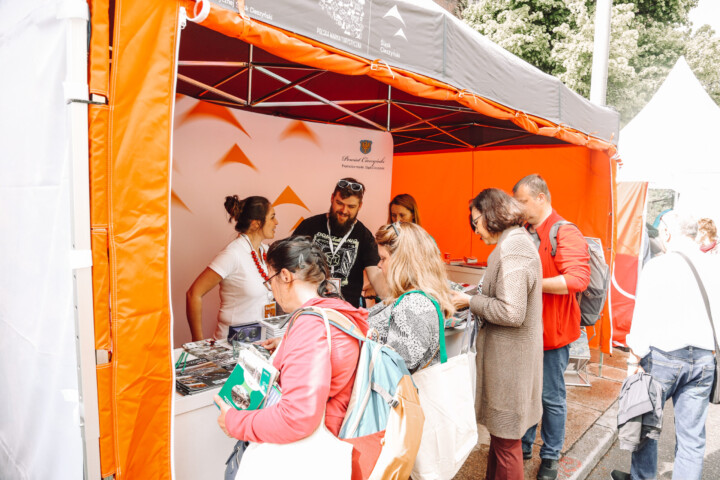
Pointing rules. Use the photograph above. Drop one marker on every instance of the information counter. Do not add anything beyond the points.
(465, 273)
(201, 448)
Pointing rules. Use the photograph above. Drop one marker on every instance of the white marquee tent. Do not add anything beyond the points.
(671, 143)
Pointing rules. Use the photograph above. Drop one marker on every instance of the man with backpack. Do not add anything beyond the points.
(564, 275)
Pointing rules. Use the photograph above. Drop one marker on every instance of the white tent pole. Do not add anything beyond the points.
(76, 96)
(601, 52)
(598, 83)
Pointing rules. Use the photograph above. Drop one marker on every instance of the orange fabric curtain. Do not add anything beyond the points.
(130, 159)
(98, 117)
(443, 183)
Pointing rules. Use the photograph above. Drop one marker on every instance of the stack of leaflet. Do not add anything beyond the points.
(275, 326)
(218, 352)
(468, 288)
(460, 317)
(198, 375)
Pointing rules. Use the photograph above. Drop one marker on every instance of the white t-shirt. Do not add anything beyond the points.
(242, 294)
(669, 310)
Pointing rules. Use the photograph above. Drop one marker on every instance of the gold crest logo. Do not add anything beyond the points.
(365, 146)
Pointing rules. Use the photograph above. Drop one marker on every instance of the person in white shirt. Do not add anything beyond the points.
(672, 335)
(240, 269)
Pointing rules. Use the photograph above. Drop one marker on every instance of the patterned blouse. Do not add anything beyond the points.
(412, 331)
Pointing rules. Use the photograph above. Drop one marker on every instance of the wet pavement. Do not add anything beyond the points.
(589, 431)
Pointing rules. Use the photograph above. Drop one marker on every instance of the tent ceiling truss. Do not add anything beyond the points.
(270, 85)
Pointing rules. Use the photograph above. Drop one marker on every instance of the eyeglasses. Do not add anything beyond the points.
(394, 227)
(474, 221)
(355, 187)
(267, 282)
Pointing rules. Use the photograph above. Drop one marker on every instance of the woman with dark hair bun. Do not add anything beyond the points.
(510, 342)
(313, 378)
(240, 269)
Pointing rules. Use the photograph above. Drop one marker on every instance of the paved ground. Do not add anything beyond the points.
(617, 459)
(589, 429)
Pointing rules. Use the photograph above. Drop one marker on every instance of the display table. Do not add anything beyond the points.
(465, 273)
(201, 448)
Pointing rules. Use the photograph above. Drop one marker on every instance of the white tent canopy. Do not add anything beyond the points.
(671, 143)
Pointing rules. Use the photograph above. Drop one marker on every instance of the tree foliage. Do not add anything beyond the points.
(647, 38)
(703, 56)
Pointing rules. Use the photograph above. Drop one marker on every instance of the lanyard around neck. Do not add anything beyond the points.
(340, 244)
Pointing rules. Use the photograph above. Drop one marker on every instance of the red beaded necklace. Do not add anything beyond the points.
(257, 264)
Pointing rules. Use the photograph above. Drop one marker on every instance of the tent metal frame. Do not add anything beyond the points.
(410, 108)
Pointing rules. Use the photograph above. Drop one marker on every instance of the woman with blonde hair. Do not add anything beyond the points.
(420, 297)
(707, 236)
(403, 208)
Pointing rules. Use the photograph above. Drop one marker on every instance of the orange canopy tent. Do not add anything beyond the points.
(450, 142)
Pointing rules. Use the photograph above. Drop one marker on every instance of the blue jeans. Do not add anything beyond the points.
(554, 405)
(686, 376)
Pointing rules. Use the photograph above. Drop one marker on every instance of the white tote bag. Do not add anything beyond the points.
(447, 397)
(321, 455)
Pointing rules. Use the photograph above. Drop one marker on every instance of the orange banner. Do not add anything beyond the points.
(631, 205)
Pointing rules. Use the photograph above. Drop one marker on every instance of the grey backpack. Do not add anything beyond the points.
(592, 299)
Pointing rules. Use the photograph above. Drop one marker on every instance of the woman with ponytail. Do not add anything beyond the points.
(313, 379)
(240, 270)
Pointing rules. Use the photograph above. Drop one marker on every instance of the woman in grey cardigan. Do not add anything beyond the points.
(510, 342)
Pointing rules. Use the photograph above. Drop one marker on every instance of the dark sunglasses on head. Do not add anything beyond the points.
(394, 227)
(355, 187)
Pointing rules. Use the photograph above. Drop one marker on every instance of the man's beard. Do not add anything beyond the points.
(336, 228)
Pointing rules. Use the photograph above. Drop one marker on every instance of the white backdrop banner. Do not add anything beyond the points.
(219, 151)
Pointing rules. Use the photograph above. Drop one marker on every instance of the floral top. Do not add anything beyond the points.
(412, 331)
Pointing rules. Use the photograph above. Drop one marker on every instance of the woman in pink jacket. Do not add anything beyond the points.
(313, 381)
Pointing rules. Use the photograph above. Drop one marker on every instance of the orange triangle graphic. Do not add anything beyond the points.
(288, 196)
(175, 200)
(216, 111)
(235, 155)
(175, 167)
(297, 224)
(299, 129)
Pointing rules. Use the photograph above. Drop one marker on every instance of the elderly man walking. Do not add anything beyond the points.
(672, 335)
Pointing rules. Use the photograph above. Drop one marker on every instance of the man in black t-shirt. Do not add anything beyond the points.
(348, 245)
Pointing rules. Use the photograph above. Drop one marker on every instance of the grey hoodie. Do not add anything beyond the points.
(639, 411)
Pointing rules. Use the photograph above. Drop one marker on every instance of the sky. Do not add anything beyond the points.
(707, 11)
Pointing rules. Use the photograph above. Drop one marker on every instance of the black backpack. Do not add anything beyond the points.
(592, 299)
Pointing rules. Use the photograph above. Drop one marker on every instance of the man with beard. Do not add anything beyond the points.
(349, 246)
